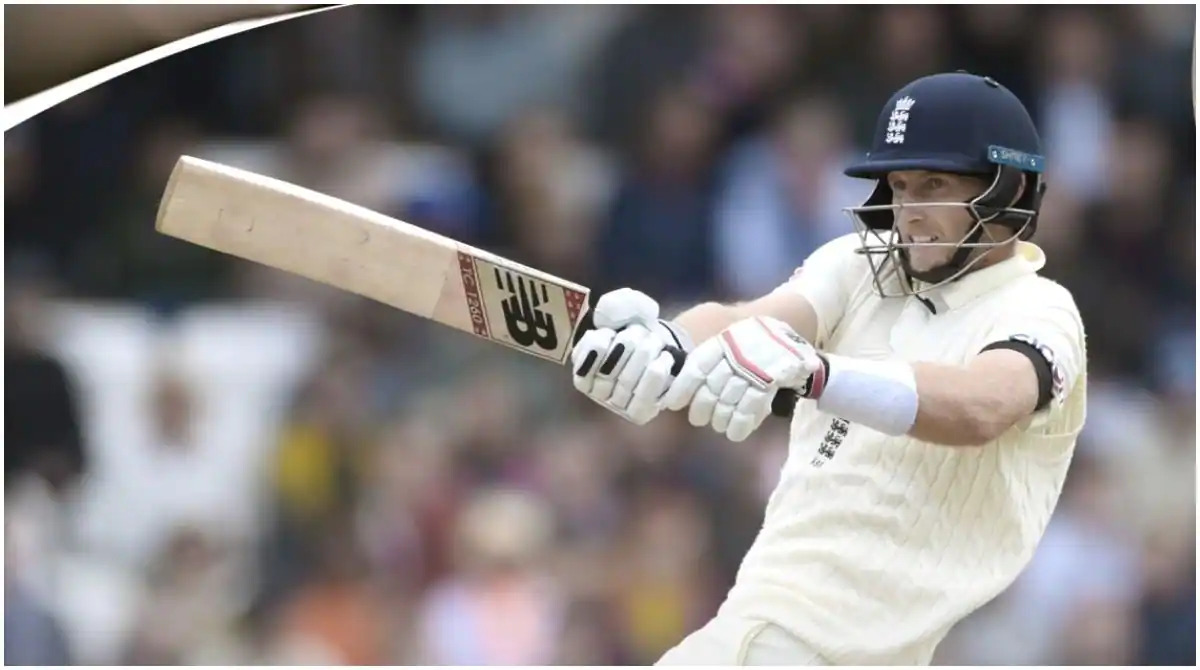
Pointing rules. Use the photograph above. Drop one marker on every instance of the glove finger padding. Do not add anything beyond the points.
(749, 414)
(727, 402)
(644, 404)
(721, 416)
(707, 399)
(704, 402)
(615, 361)
(587, 356)
(646, 347)
(695, 371)
(733, 389)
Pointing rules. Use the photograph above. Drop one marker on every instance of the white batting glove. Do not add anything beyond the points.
(730, 380)
(623, 364)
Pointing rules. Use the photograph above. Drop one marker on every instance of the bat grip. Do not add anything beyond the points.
(782, 405)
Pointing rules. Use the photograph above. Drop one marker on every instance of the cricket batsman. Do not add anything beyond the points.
(942, 387)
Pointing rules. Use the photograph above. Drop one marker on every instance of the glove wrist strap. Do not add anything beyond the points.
(814, 387)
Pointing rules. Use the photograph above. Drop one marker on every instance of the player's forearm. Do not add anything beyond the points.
(941, 404)
(960, 408)
(709, 319)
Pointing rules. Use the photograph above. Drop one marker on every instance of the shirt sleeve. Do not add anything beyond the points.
(827, 280)
(1049, 326)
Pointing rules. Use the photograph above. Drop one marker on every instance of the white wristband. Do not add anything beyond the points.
(878, 394)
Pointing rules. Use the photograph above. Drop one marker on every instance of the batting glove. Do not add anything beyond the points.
(626, 362)
(729, 381)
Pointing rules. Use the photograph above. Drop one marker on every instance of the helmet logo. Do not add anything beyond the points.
(898, 121)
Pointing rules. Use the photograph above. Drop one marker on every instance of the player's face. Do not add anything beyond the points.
(916, 222)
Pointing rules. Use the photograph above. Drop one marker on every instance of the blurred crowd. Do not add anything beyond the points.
(207, 461)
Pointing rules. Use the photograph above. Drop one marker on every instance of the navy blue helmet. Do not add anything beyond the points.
(956, 123)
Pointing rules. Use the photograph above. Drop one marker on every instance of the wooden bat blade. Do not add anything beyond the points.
(353, 248)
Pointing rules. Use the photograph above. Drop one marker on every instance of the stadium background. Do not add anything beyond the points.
(208, 462)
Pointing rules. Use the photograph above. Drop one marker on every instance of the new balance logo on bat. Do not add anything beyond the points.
(527, 323)
(522, 311)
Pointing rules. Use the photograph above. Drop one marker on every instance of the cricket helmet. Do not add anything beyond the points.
(956, 123)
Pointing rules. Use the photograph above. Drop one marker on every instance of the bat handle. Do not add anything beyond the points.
(782, 405)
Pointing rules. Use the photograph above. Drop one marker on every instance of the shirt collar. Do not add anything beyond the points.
(1028, 259)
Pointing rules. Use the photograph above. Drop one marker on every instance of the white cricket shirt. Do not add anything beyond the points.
(872, 546)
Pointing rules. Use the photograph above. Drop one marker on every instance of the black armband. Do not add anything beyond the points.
(1041, 365)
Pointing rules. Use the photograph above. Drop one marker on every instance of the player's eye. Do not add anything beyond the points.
(898, 185)
(935, 183)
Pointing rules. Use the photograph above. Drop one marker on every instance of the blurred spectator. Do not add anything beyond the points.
(587, 638)
(662, 208)
(994, 40)
(783, 196)
(316, 470)
(43, 432)
(752, 55)
(1073, 107)
(657, 44)
(1128, 228)
(333, 149)
(20, 186)
(664, 587)
(84, 146)
(1155, 67)
(32, 635)
(909, 42)
(334, 617)
(497, 608)
(124, 257)
(181, 455)
(336, 52)
(1166, 633)
(188, 610)
(553, 189)
(477, 67)
(904, 42)
(411, 498)
(574, 472)
(44, 459)
(738, 61)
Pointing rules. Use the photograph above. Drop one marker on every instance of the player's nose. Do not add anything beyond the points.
(907, 217)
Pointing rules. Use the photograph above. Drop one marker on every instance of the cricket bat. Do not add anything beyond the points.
(353, 248)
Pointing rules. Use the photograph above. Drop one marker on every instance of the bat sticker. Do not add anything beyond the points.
(519, 310)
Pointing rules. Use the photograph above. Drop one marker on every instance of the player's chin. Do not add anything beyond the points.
(926, 260)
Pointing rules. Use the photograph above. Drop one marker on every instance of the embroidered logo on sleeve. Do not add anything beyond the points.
(1058, 381)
